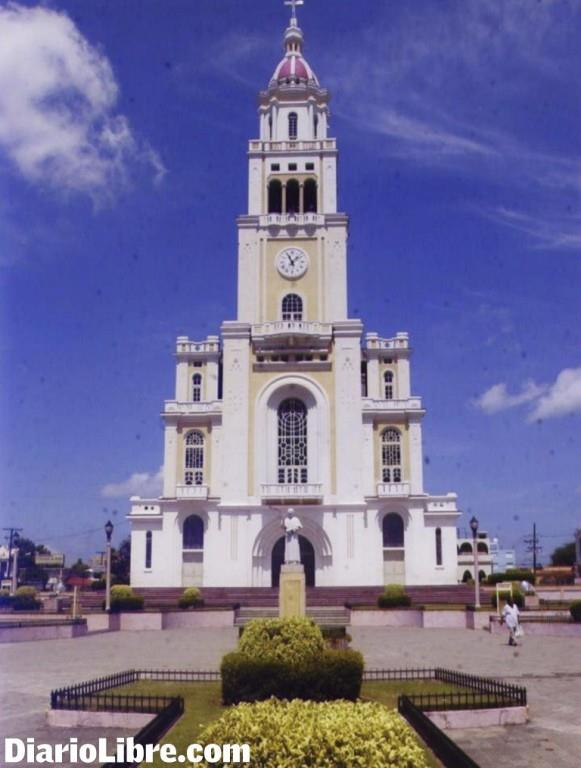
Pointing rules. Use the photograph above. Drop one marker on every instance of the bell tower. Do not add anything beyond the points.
(292, 242)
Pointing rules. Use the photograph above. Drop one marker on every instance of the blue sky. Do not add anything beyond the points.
(123, 130)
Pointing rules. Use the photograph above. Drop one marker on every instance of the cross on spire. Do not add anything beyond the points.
(293, 4)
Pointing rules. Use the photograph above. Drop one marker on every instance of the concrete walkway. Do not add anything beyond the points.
(549, 667)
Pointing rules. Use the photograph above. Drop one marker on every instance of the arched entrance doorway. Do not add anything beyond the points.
(307, 559)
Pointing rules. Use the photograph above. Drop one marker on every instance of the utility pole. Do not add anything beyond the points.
(12, 532)
(533, 546)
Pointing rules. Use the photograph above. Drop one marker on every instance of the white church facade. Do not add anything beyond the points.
(293, 404)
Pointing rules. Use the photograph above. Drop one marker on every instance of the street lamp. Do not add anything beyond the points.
(474, 528)
(14, 553)
(108, 533)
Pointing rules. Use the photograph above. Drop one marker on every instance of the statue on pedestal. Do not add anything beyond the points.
(292, 525)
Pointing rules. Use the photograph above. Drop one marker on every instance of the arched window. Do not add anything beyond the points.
(315, 125)
(388, 385)
(193, 533)
(275, 196)
(148, 548)
(194, 459)
(292, 307)
(391, 456)
(292, 125)
(481, 576)
(467, 577)
(197, 387)
(270, 127)
(392, 530)
(310, 196)
(292, 196)
(292, 441)
(482, 547)
(465, 548)
(438, 546)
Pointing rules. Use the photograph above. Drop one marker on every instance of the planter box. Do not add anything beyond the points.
(389, 617)
(39, 632)
(479, 718)
(444, 619)
(477, 620)
(197, 618)
(139, 622)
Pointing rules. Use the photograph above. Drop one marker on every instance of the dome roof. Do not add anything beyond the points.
(294, 68)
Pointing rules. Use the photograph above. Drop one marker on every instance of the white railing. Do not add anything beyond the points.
(186, 347)
(443, 503)
(406, 404)
(291, 491)
(393, 489)
(257, 145)
(284, 327)
(175, 406)
(290, 219)
(401, 341)
(192, 491)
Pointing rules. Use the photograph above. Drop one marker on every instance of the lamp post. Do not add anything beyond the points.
(108, 533)
(474, 528)
(14, 552)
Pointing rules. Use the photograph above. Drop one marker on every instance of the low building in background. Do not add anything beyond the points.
(502, 559)
(466, 556)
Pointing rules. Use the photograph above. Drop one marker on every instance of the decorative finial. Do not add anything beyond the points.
(293, 4)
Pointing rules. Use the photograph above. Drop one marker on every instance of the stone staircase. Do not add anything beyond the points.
(324, 616)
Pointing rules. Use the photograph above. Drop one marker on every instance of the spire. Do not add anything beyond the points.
(293, 36)
(293, 4)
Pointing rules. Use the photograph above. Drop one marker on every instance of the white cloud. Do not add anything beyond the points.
(498, 399)
(562, 398)
(57, 106)
(145, 484)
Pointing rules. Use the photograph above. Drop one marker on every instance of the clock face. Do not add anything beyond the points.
(292, 262)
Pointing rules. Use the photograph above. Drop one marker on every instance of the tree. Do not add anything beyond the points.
(79, 568)
(28, 570)
(121, 562)
(564, 555)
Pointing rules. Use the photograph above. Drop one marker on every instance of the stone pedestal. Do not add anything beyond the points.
(291, 593)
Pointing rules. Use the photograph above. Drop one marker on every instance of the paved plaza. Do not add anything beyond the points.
(549, 667)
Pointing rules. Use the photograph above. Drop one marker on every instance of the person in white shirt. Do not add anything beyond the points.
(510, 616)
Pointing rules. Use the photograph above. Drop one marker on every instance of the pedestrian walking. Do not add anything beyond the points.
(510, 617)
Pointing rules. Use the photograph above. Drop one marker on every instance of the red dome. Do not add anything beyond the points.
(294, 68)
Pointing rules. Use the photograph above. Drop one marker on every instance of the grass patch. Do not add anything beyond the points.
(202, 704)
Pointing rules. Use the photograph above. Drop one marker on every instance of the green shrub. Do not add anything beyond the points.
(575, 610)
(517, 596)
(394, 596)
(288, 640)
(329, 675)
(326, 735)
(516, 575)
(124, 599)
(25, 599)
(191, 598)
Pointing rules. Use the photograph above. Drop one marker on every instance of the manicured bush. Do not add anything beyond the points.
(394, 596)
(288, 640)
(329, 675)
(326, 735)
(124, 599)
(191, 598)
(517, 596)
(515, 575)
(26, 599)
(575, 610)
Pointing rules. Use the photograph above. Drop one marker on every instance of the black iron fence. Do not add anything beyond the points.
(63, 698)
(447, 751)
(400, 674)
(508, 694)
(179, 675)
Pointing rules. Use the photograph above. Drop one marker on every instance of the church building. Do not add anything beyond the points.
(293, 404)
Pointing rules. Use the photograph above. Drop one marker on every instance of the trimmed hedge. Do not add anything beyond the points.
(25, 599)
(284, 734)
(287, 640)
(394, 596)
(326, 676)
(515, 575)
(191, 598)
(575, 610)
(517, 596)
(124, 599)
